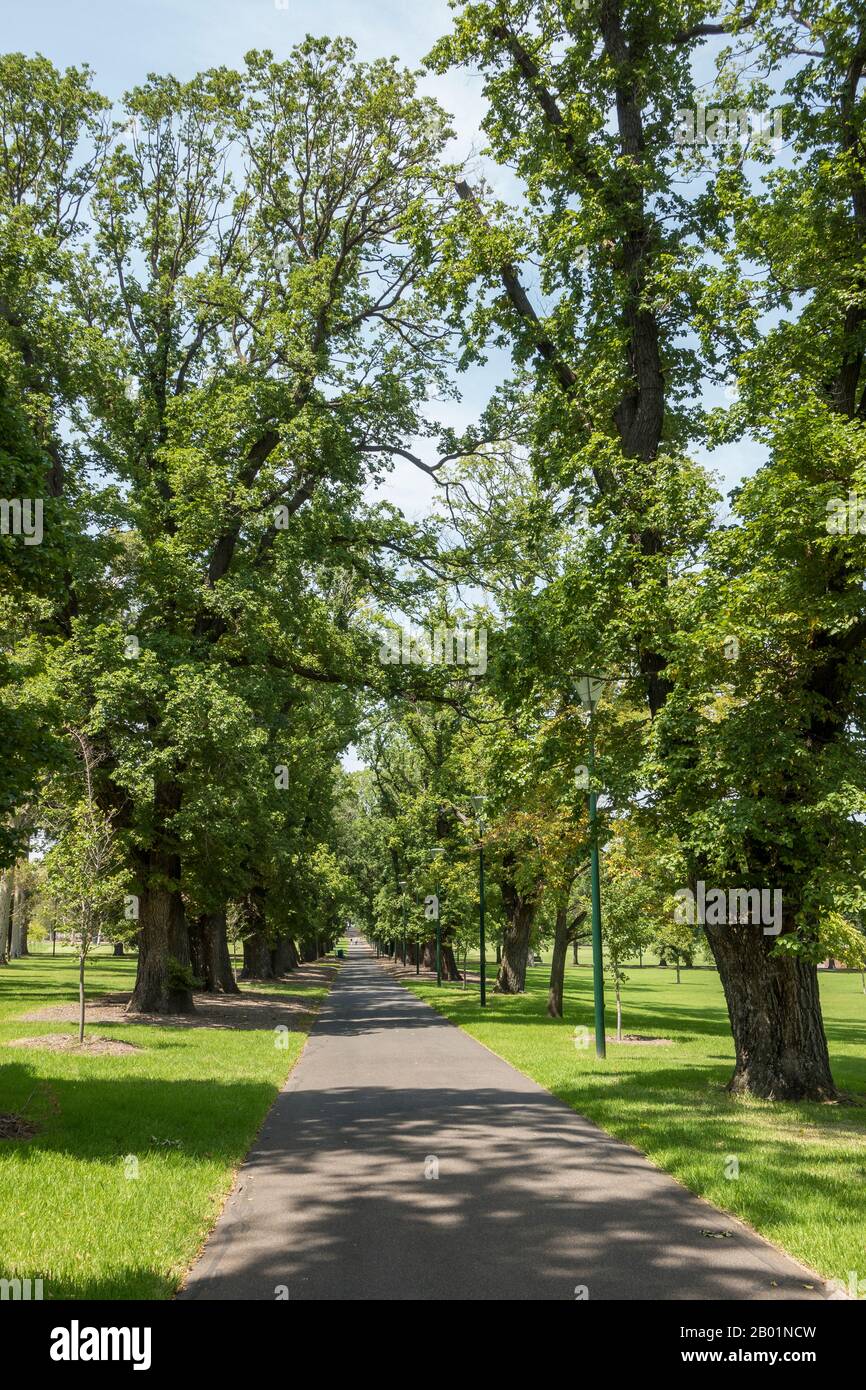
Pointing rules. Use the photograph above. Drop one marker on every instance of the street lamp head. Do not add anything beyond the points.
(436, 849)
(589, 689)
(478, 804)
(402, 883)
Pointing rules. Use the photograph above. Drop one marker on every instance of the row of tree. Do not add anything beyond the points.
(730, 740)
(224, 314)
(213, 320)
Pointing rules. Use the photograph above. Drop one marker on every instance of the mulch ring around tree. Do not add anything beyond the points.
(250, 1010)
(68, 1042)
(641, 1038)
(15, 1127)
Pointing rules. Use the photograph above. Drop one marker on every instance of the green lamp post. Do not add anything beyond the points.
(403, 886)
(435, 852)
(478, 807)
(589, 689)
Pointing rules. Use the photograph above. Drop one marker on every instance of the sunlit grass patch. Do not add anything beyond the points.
(133, 1155)
(797, 1173)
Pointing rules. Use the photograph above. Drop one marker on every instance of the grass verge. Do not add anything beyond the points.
(135, 1154)
(796, 1173)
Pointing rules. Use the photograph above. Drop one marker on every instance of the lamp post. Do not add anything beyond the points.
(478, 807)
(403, 886)
(435, 853)
(589, 689)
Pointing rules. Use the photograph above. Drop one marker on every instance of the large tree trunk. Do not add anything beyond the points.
(257, 957)
(162, 978)
(447, 960)
(257, 947)
(209, 949)
(775, 1012)
(557, 964)
(519, 916)
(6, 887)
(284, 957)
(219, 973)
(18, 947)
(196, 950)
(118, 948)
(163, 950)
(511, 977)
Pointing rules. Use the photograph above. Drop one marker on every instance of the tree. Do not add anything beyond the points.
(53, 136)
(85, 869)
(22, 908)
(770, 711)
(262, 344)
(6, 892)
(675, 939)
(631, 903)
(621, 224)
(569, 921)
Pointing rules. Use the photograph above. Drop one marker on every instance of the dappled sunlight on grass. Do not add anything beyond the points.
(114, 1195)
(794, 1172)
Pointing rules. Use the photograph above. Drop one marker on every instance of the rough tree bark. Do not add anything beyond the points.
(209, 950)
(520, 911)
(511, 976)
(779, 1040)
(557, 963)
(163, 947)
(565, 932)
(257, 947)
(447, 959)
(6, 888)
(18, 942)
(284, 957)
(163, 939)
(257, 958)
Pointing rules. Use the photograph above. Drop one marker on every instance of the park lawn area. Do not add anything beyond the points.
(183, 1111)
(802, 1168)
(312, 994)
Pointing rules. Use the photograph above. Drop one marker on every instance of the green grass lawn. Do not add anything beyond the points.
(802, 1168)
(182, 1113)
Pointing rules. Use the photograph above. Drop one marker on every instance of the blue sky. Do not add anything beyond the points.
(121, 40)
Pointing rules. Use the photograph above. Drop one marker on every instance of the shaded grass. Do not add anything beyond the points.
(115, 1194)
(802, 1167)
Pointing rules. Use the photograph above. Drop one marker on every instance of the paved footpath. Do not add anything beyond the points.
(337, 1199)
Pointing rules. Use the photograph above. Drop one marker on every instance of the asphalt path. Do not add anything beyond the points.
(405, 1161)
